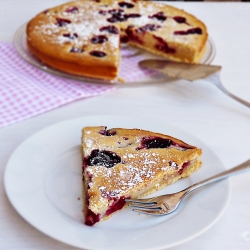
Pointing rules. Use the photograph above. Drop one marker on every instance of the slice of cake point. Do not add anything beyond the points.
(129, 163)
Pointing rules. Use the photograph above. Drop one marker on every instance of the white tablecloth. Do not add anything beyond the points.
(198, 107)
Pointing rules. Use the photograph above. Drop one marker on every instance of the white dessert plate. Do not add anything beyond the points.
(129, 69)
(43, 182)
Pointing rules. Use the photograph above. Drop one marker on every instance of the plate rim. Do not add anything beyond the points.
(222, 210)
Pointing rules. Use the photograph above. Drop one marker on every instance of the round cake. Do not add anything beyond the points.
(83, 37)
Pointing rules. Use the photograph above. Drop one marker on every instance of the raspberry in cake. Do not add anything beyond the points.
(123, 163)
(83, 37)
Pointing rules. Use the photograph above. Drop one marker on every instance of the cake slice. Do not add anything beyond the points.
(121, 163)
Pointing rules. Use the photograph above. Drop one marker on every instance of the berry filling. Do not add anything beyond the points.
(132, 36)
(155, 142)
(189, 32)
(107, 132)
(116, 18)
(159, 16)
(97, 53)
(126, 5)
(104, 158)
(99, 39)
(132, 15)
(71, 36)
(124, 39)
(184, 166)
(102, 12)
(180, 19)
(158, 142)
(163, 46)
(72, 9)
(119, 16)
(62, 22)
(76, 50)
(148, 27)
(91, 218)
(110, 29)
(117, 204)
(116, 11)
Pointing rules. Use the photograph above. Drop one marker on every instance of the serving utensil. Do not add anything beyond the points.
(190, 72)
(168, 203)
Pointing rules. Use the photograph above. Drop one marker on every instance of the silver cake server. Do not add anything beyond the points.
(190, 72)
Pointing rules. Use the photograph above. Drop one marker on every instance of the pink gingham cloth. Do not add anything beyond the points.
(26, 91)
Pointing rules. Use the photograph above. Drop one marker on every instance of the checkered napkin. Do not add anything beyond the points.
(26, 91)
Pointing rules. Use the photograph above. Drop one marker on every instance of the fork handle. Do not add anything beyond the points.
(243, 167)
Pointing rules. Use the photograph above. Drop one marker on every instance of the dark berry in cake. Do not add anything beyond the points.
(162, 45)
(102, 12)
(117, 16)
(107, 132)
(110, 29)
(159, 16)
(184, 166)
(62, 22)
(117, 205)
(72, 9)
(71, 36)
(103, 158)
(97, 53)
(148, 27)
(76, 50)
(132, 15)
(133, 36)
(180, 19)
(197, 31)
(91, 218)
(155, 142)
(99, 39)
(126, 5)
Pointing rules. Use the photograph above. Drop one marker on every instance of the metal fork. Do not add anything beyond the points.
(168, 203)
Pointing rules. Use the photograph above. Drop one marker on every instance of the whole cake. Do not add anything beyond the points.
(83, 37)
(123, 163)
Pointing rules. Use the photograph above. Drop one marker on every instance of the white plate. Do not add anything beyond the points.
(134, 75)
(43, 182)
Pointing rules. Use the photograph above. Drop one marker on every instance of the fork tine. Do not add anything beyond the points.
(149, 212)
(145, 206)
(142, 201)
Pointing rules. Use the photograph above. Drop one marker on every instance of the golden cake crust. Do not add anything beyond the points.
(62, 36)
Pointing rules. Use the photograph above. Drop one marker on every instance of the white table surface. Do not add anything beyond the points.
(199, 108)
